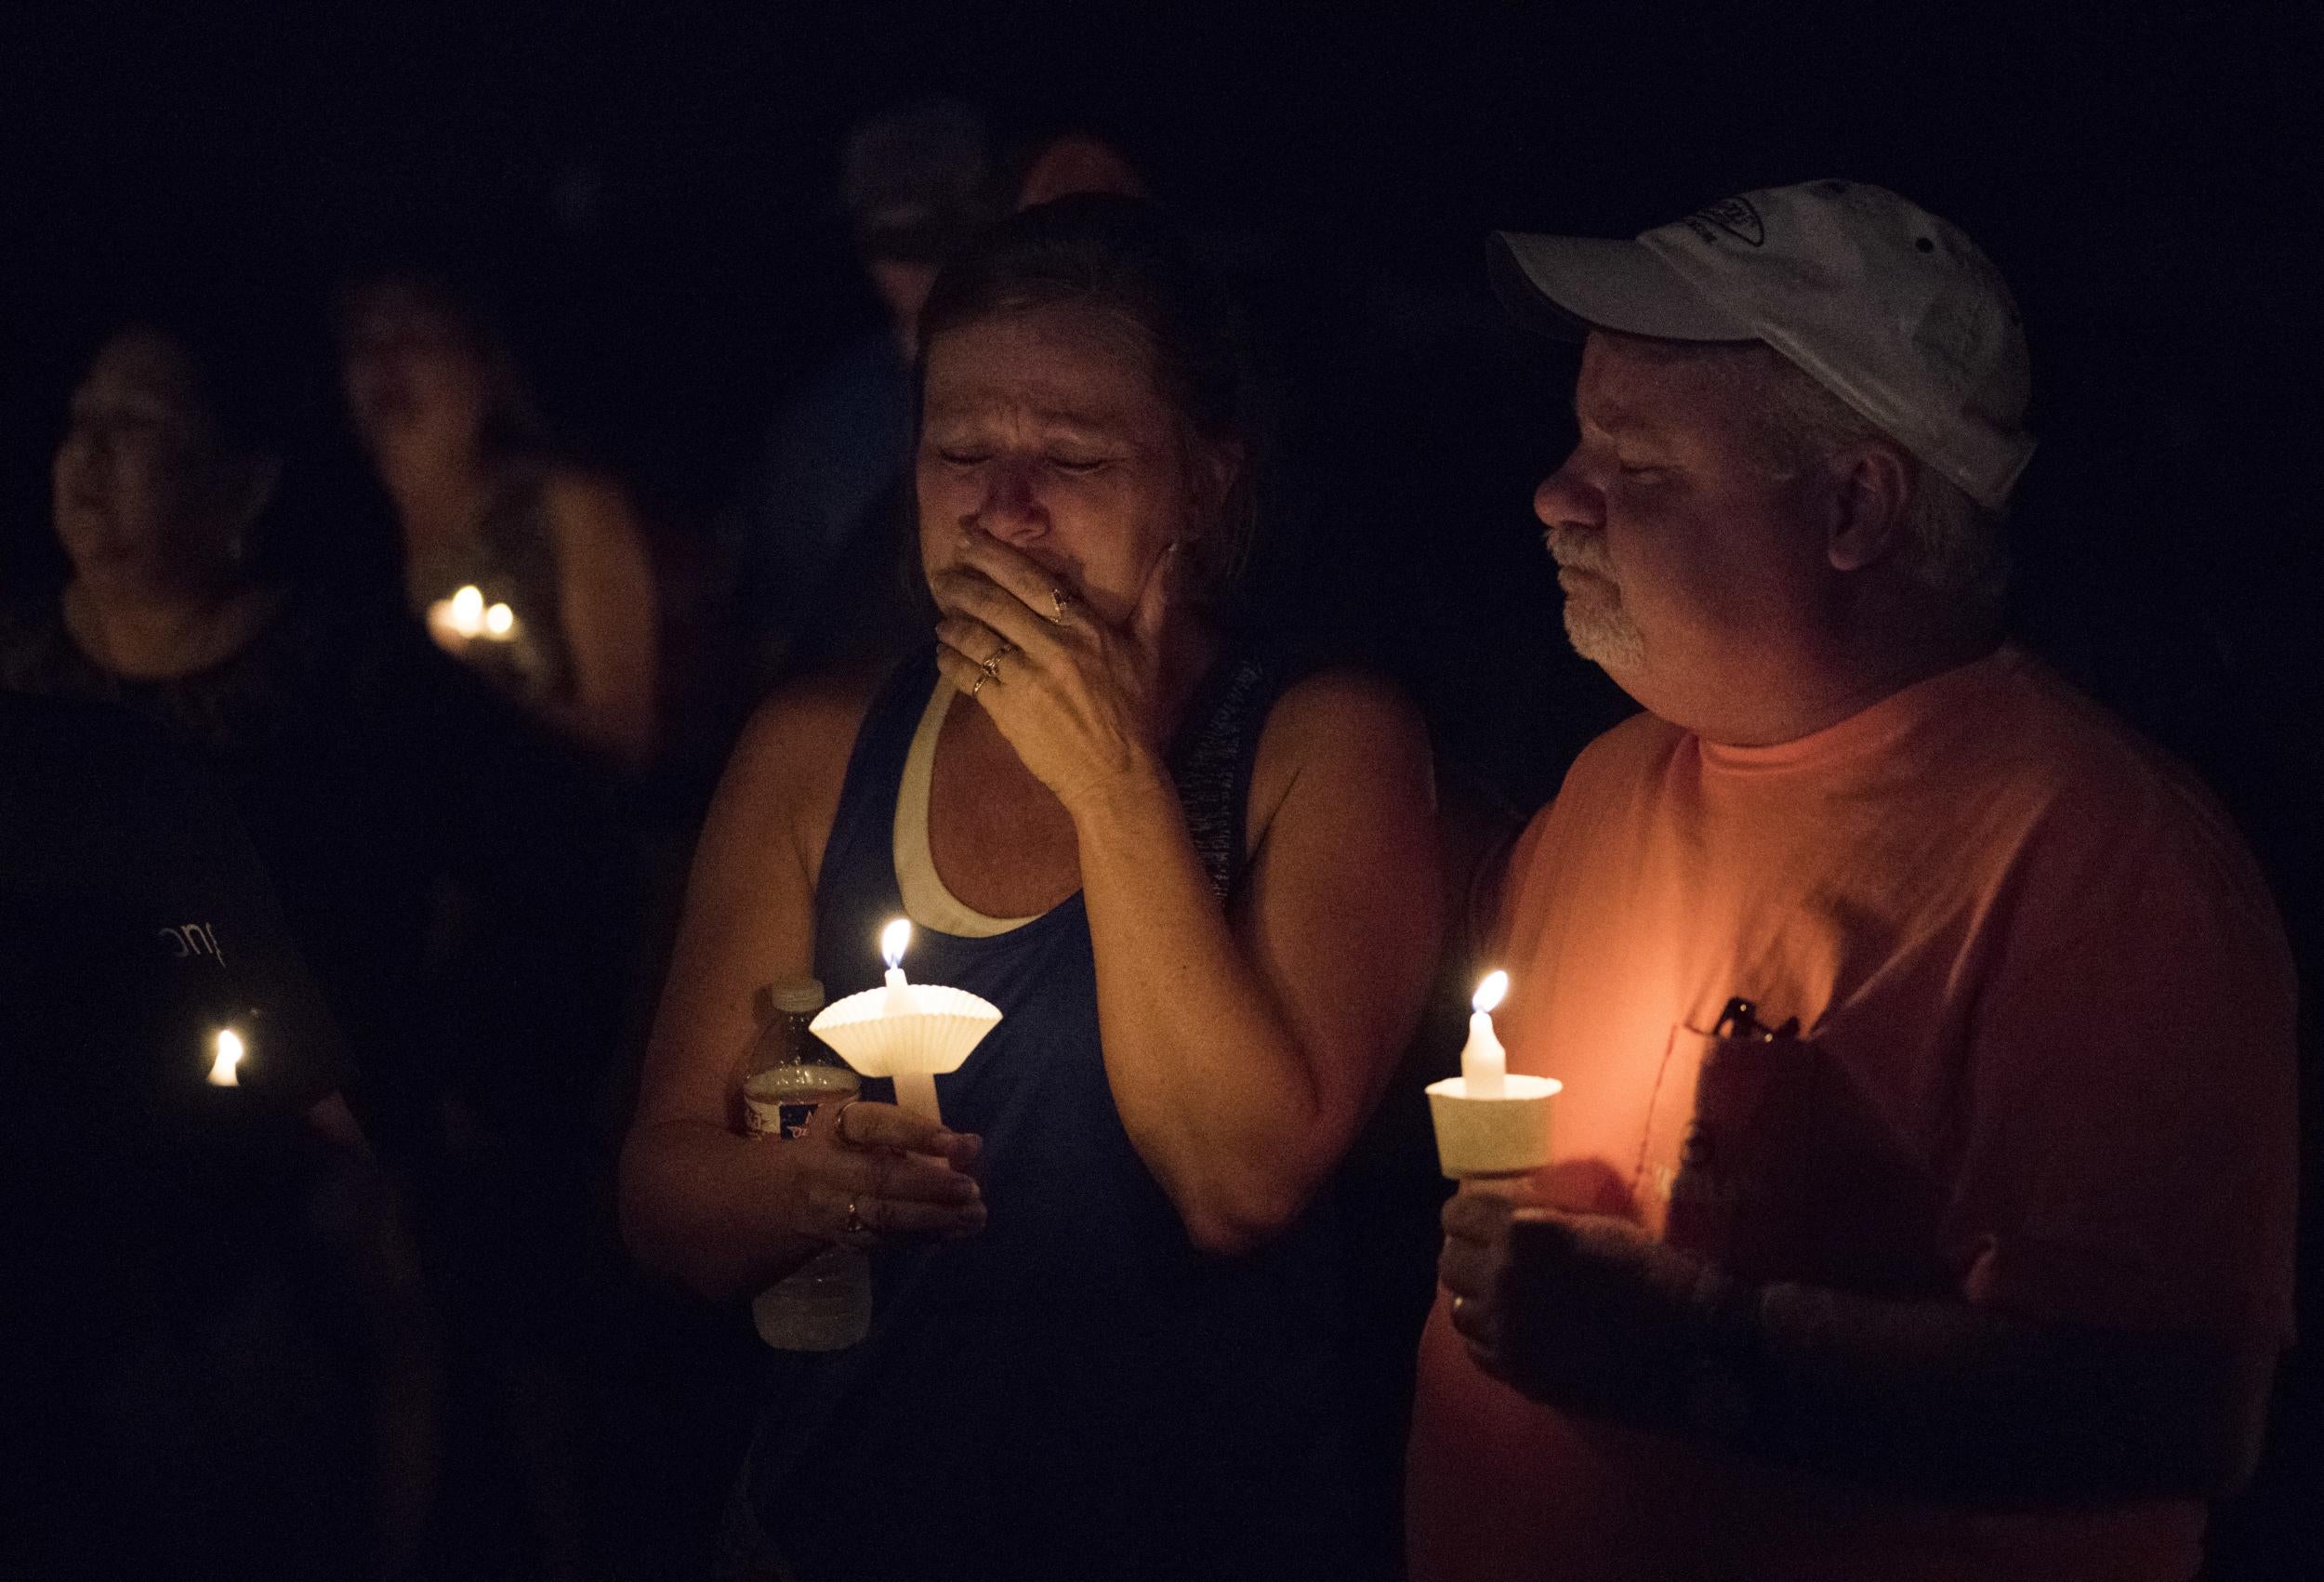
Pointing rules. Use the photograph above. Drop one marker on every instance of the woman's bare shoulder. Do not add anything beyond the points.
(1342, 731)
(587, 508)
(793, 753)
(813, 713)
(1341, 710)
(577, 484)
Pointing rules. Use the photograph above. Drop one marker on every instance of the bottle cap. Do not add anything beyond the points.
(797, 997)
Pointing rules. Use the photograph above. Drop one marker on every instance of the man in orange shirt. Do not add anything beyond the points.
(1923, 1174)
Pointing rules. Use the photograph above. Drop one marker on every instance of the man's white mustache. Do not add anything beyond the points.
(1579, 552)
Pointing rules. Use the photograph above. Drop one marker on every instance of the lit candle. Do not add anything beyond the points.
(226, 1055)
(909, 1033)
(464, 617)
(466, 612)
(892, 939)
(1484, 1064)
(1492, 1124)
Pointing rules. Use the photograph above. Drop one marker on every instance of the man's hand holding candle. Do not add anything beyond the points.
(1586, 1311)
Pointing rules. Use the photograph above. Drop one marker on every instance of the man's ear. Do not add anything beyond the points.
(1872, 486)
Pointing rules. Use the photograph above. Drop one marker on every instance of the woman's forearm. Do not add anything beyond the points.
(1213, 1087)
(710, 1209)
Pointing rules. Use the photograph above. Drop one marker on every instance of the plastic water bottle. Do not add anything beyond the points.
(825, 1303)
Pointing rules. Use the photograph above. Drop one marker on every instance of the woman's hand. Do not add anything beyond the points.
(1084, 702)
(868, 1171)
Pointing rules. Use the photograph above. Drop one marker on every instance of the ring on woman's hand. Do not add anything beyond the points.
(1062, 601)
(990, 664)
(838, 1118)
(980, 684)
(854, 1224)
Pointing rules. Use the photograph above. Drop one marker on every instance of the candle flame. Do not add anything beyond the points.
(228, 1045)
(499, 620)
(1490, 991)
(466, 614)
(894, 938)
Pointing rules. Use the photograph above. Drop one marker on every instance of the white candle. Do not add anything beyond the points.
(226, 1055)
(1484, 1064)
(892, 939)
(1492, 1124)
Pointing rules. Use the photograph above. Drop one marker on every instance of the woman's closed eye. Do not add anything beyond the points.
(1073, 464)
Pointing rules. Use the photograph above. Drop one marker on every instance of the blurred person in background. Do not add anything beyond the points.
(524, 564)
(441, 857)
(1067, 162)
(532, 571)
(1109, 1292)
(816, 534)
(361, 760)
(218, 1359)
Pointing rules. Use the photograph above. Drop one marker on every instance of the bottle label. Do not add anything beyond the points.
(782, 1101)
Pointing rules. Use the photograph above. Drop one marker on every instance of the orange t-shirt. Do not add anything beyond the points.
(2045, 1061)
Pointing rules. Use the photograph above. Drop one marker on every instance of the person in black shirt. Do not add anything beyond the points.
(452, 872)
(366, 766)
(194, 1236)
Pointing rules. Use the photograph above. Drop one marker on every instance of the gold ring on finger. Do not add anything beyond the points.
(1061, 601)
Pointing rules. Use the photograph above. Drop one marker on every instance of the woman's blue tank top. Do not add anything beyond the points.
(1078, 1392)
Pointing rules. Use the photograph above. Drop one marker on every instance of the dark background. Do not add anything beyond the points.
(654, 193)
(654, 190)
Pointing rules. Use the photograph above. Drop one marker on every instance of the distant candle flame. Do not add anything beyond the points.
(499, 621)
(228, 1045)
(894, 938)
(466, 613)
(1490, 992)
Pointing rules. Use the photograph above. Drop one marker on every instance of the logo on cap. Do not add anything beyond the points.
(1734, 216)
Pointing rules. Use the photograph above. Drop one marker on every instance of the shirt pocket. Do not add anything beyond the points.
(1763, 1156)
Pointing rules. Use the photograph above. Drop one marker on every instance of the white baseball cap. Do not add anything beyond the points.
(1891, 309)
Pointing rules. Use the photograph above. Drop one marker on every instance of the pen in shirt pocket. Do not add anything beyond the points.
(1740, 1021)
